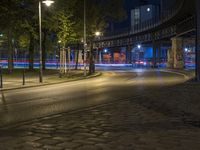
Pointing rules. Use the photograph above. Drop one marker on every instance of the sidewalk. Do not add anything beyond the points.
(32, 79)
(189, 72)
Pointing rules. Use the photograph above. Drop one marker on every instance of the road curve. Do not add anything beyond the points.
(116, 84)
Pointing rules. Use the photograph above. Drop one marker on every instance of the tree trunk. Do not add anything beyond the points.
(91, 57)
(31, 53)
(44, 50)
(10, 52)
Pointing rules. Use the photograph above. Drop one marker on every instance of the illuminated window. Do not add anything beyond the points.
(136, 16)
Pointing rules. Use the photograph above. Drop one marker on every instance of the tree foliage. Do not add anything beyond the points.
(63, 26)
(62, 22)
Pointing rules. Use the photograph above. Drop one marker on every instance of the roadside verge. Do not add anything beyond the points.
(52, 82)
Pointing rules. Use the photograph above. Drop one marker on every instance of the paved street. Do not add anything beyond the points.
(158, 119)
(123, 125)
(29, 103)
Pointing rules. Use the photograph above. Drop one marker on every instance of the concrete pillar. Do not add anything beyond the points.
(159, 53)
(100, 56)
(112, 55)
(197, 40)
(154, 54)
(97, 55)
(177, 48)
(170, 59)
(128, 55)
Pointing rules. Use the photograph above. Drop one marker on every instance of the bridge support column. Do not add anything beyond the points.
(197, 40)
(100, 57)
(170, 59)
(154, 55)
(128, 55)
(112, 56)
(97, 56)
(159, 53)
(177, 48)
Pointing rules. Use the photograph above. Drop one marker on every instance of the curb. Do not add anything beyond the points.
(186, 75)
(45, 84)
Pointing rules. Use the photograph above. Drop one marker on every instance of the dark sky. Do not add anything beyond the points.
(128, 5)
(133, 3)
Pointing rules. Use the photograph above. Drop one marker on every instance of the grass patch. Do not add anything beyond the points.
(30, 73)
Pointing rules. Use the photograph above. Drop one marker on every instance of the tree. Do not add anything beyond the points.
(17, 17)
(63, 26)
(99, 14)
(65, 20)
(9, 15)
(30, 27)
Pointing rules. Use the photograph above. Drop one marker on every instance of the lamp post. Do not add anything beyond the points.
(47, 3)
(98, 54)
(85, 40)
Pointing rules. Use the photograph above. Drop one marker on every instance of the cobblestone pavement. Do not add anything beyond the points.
(143, 123)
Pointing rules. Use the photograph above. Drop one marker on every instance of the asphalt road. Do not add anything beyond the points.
(114, 84)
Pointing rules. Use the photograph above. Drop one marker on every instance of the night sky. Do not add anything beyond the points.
(130, 4)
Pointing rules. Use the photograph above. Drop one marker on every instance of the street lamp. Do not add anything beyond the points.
(85, 40)
(148, 9)
(47, 3)
(97, 33)
(138, 46)
(105, 50)
(186, 50)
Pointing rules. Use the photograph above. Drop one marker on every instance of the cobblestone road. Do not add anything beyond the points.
(124, 125)
(166, 119)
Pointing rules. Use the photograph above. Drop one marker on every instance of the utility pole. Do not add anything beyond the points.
(85, 40)
(40, 34)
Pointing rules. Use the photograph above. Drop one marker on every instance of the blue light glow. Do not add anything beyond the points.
(139, 46)
(105, 50)
(186, 49)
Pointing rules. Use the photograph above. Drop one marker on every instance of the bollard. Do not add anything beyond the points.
(60, 75)
(23, 77)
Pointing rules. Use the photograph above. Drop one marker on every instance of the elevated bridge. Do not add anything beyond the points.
(176, 24)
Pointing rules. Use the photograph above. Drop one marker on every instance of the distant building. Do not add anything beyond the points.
(142, 14)
(159, 6)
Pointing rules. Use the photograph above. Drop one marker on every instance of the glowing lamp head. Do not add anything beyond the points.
(186, 49)
(48, 2)
(139, 46)
(105, 50)
(97, 33)
(148, 9)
